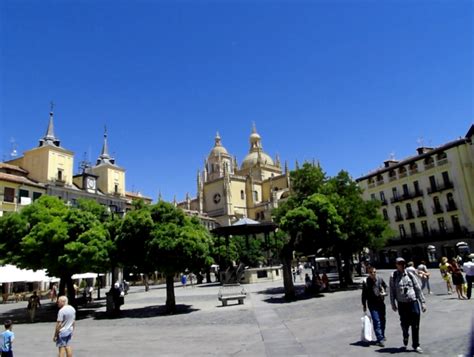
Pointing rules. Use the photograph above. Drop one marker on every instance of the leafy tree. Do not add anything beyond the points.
(60, 239)
(178, 243)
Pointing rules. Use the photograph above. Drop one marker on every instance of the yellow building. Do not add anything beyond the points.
(428, 199)
(227, 192)
(49, 169)
(16, 189)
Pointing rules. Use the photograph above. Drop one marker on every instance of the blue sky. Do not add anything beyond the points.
(344, 82)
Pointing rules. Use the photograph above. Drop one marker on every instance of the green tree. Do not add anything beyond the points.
(60, 239)
(178, 243)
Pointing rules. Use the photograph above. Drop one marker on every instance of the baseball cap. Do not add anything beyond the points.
(399, 260)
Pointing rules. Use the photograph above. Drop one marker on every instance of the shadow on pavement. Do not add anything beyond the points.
(145, 312)
(48, 313)
(393, 350)
(299, 291)
(361, 344)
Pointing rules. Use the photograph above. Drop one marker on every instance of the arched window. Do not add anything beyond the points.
(421, 208)
(399, 213)
(385, 214)
(437, 205)
(242, 194)
(409, 211)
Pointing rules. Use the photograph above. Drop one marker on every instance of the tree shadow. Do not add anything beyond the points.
(48, 313)
(145, 312)
(300, 295)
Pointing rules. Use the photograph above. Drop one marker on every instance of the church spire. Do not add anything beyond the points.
(49, 138)
(105, 157)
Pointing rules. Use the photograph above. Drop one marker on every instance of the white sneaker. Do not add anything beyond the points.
(418, 350)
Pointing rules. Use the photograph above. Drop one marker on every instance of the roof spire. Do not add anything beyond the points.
(104, 155)
(49, 138)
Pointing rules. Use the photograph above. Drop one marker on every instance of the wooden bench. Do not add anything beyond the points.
(231, 292)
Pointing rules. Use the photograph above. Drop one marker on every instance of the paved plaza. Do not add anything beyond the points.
(265, 325)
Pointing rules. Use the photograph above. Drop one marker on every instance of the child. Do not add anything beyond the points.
(6, 339)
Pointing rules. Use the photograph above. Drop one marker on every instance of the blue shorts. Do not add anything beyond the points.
(63, 339)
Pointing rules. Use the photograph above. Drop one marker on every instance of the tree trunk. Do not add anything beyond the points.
(342, 282)
(348, 268)
(170, 298)
(287, 257)
(66, 284)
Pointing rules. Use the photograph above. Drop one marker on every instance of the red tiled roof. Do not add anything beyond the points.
(19, 179)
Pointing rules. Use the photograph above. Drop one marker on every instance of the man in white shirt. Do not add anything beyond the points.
(64, 327)
(468, 268)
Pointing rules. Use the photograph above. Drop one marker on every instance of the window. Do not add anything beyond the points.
(451, 203)
(455, 223)
(409, 211)
(416, 186)
(413, 229)
(442, 225)
(385, 214)
(255, 195)
(372, 196)
(421, 209)
(242, 194)
(424, 227)
(24, 193)
(394, 192)
(116, 188)
(405, 190)
(401, 228)
(399, 213)
(433, 183)
(446, 180)
(9, 194)
(437, 205)
(382, 196)
(36, 195)
(60, 175)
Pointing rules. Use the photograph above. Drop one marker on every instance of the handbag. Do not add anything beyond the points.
(367, 332)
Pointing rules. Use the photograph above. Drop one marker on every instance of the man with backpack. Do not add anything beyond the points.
(406, 296)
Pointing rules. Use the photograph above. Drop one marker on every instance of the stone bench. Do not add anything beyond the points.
(231, 292)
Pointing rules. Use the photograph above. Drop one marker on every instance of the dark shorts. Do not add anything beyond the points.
(7, 354)
(63, 339)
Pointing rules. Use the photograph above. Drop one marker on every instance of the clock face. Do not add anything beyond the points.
(217, 198)
(90, 183)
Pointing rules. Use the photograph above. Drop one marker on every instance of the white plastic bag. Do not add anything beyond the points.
(367, 333)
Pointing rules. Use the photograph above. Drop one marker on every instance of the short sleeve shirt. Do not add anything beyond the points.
(6, 339)
(66, 315)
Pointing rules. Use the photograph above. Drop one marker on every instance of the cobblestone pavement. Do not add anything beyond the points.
(328, 325)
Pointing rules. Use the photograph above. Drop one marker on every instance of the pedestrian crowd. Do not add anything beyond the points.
(405, 288)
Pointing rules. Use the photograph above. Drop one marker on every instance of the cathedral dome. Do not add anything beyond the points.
(254, 157)
(256, 153)
(218, 149)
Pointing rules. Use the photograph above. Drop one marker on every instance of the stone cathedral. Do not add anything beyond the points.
(228, 192)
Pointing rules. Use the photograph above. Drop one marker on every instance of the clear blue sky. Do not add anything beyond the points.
(344, 82)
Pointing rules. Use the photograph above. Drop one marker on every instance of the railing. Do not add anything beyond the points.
(371, 185)
(409, 215)
(384, 202)
(420, 213)
(432, 236)
(398, 218)
(413, 171)
(442, 162)
(440, 187)
(380, 182)
(402, 174)
(451, 207)
(437, 210)
(429, 166)
(392, 178)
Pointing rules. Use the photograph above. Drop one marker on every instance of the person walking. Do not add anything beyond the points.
(424, 275)
(6, 339)
(64, 329)
(445, 274)
(458, 279)
(33, 304)
(405, 296)
(373, 292)
(468, 268)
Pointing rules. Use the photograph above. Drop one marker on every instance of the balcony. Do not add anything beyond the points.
(409, 215)
(392, 178)
(371, 184)
(413, 171)
(442, 162)
(402, 174)
(421, 213)
(384, 202)
(437, 209)
(431, 236)
(451, 207)
(429, 166)
(380, 182)
(398, 218)
(440, 187)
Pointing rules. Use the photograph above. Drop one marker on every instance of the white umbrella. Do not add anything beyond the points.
(85, 276)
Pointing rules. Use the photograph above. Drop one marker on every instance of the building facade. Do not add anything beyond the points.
(48, 169)
(428, 199)
(227, 192)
